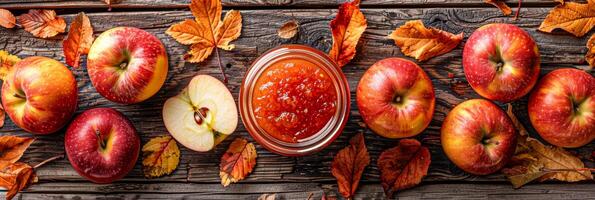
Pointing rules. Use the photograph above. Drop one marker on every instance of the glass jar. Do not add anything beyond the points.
(300, 77)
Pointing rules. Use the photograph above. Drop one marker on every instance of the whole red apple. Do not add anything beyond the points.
(102, 145)
(478, 137)
(39, 94)
(562, 108)
(396, 98)
(501, 62)
(127, 65)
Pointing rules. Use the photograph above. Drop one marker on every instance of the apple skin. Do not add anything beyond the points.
(501, 62)
(127, 65)
(396, 98)
(478, 137)
(39, 94)
(562, 108)
(102, 145)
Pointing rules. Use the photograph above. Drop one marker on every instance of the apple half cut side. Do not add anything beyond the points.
(202, 115)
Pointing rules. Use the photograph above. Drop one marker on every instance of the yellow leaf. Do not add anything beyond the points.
(590, 56)
(347, 27)
(199, 52)
(422, 43)
(161, 156)
(229, 30)
(237, 162)
(42, 23)
(7, 60)
(576, 18)
(79, 40)
(188, 32)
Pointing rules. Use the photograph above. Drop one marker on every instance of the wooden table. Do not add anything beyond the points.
(197, 175)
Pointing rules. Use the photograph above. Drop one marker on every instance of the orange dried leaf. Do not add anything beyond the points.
(16, 177)
(348, 165)
(237, 162)
(7, 19)
(415, 40)
(500, 5)
(347, 27)
(288, 30)
(575, 18)
(7, 60)
(229, 30)
(590, 56)
(12, 148)
(79, 40)
(42, 23)
(559, 1)
(403, 166)
(161, 156)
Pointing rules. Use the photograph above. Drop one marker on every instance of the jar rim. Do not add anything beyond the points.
(326, 135)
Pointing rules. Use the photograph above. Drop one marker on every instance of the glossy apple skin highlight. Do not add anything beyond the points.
(396, 98)
(127, 65)
(39, 95)
(562, 108)
(501, 62)
(478, 137)
(102, 145)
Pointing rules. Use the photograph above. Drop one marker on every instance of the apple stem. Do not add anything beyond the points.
(19, 95)
(48, 160)
(221, 66)
(101, 142)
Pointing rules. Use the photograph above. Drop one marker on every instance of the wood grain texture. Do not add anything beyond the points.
(309, 173)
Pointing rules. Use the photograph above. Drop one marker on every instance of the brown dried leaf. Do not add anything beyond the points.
(575, 18)
(161, 156)
(7, 19)
(422, 43)
(12, 148)
(16, 177)
(403, 166)
(500, 5)
(42, 23)
(347, 27)
(288, 30)
(590, 56)
(515, 121)
(79, 40)
(237, 162)
(267, 197)
(349, 164)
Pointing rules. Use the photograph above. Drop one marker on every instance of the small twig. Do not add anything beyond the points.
(220, 65)
(310, 196)
(518, 10)
(48, 160)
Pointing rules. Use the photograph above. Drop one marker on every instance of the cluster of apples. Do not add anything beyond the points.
(126, 65)
(502, 63)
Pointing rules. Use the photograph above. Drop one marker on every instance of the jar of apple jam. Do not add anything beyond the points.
(294, 100)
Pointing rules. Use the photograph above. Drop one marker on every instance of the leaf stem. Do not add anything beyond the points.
(48, 160)
(220, 65)
(518, 10)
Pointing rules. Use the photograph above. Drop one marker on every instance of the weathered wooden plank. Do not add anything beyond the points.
(258, 35)
(86, 4)
(300, 191)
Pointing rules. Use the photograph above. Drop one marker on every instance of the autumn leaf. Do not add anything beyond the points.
(42, 23)
(7, 19)
(349, 164)
(288, 30)
(7, 60)
(575, 18)
(161, 156)
(500, 5)
(79, 40)
(12, 148)
(534, 161)
(403, 166)
(267, 197)
(347, 27)
(517, 124)
(16, 177)
(237, 162)
(590, 56)
(207, 32)
(415, 40)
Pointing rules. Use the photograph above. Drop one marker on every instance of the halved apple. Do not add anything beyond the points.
(202, 115)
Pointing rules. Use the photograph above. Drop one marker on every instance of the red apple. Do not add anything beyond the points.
(501, 62)
(102, 145)
(396, 98)
(39, 94)
(562, 108)
(127, 65)
(478, 137)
